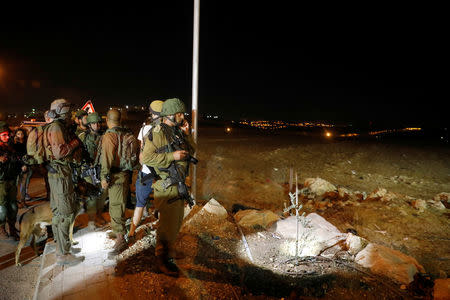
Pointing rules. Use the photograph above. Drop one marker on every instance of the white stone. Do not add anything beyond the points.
(436, 204)
(214, 207)
(378, 193)
(355, 243)
(419, 204)
(388, 262)
(316, 236)
(319, 186)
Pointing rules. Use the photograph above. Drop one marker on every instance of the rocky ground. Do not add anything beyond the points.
(245, 170)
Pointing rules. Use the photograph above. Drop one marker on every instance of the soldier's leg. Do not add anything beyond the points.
(3, 210)
(171, 215)
(21, 182)
(91, 204)
(61, 230)
(118, 192)
(64, 206)
(12, 209)
(27, 182)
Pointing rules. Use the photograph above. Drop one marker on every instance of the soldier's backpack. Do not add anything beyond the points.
(36, 141)
(127, 149)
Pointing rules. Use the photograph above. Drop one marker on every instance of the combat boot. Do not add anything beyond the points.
(3, 233)
(99, 221)
(13, 231)
(167, 266)
(119, 246)
(68, 259)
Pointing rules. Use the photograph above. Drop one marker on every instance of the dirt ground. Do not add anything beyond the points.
(253, 170)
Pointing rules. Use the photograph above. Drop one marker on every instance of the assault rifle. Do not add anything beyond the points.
(176, 178)
(93, 173)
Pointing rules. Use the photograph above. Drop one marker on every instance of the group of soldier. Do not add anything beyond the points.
(71, 155)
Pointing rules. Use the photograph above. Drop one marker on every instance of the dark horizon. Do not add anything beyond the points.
(373, 65)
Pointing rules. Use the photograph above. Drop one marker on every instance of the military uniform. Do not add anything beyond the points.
(91, 142)
(62, 149)
(9, 172)
(167, 201)
(118, 180)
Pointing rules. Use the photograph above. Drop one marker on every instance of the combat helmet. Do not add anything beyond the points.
(93, 118)
(155, 107)
(172, 106)
(80, 113)
(3, 126)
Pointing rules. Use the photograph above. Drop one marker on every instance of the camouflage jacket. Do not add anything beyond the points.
(10, 169)
(91, 141)
(109, 160)
(61, 146)
(154, 157)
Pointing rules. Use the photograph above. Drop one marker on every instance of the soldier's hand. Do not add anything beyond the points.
(104, 184)
(185, 127)
(24, 168)
(180, 154)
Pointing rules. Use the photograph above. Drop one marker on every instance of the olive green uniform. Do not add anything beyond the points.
(170, 212)
(91, 141)
(61, 150)
(118, 180)
(9, 171)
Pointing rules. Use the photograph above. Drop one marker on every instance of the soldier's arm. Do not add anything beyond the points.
(59, 147)
(107, 155)
(153, 159)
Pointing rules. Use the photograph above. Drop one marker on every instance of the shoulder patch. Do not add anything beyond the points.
(157, 128)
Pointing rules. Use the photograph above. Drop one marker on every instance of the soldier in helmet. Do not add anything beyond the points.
(91, 139)
(146, 175)
(80, 120)
(9, 170)
(114, 180)
(160, 153)
(61, 149)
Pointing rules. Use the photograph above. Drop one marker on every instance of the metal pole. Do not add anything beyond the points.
(195, 88)
(296, 214)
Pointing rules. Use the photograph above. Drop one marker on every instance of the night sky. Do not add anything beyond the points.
(357, 63)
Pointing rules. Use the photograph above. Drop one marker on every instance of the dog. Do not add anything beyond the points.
(31, 223)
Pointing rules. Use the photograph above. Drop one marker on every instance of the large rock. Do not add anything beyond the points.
(436, 204)
(442, 289)
(212, 217)
(213, 207)
(389, 262)
(319, 186)
(381, 194)
(419, 204)
(251, 218)
(315, 235)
